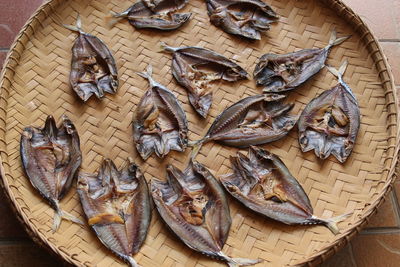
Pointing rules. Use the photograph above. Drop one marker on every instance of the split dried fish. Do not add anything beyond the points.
(247, 18)
(93, 68)
(330, 122)
(263, 184)
(155, 14)
(254, 120)
(160, 123)
(117, 207)
(280, 73)
(194, 206)
(51, 156)
(196, 68)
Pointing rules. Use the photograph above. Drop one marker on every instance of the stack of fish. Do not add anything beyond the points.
(193, 203)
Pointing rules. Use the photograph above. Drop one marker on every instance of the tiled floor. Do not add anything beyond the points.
(377, 245)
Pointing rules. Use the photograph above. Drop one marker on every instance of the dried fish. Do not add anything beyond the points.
(280, 73)
(154, 14)
(330, 122)
(159, 124)
(194, 206)
(196, 68)
(50, 157)
(254, 120)
(117, 207)
(247, 18)
(263, 184)
(93, 68)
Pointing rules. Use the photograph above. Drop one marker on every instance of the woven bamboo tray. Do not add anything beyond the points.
(35, 83)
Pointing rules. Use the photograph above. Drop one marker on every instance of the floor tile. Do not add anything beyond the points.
(9, 225)
(379, 15)
(377, 250)
(397, 186)
(2, 58)
(343, 258)
(33, 256)
(392, 52)
(13, 16)
(386, 215)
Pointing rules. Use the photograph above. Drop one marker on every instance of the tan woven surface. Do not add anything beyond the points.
(35, 83)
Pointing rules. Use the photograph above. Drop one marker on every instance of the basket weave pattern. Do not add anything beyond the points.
(35, 83)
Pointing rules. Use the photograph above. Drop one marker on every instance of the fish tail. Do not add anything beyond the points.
(338, 73)
(167, 48)
(148, 75)
(196, 145)
(77, 27)
(115, 17)
(56, 221)
(331, 223)
(59, 215)
(336, 41)
(236, 262)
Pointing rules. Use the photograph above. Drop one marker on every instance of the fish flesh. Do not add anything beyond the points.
(281, 73)
(154, 14)
(194, 206)
(254, 120)
(262, 183)
(93, 68)
(117, 207)
(196, 68)
(159, 124)
(50, 157)
(247, 18)
(330, 122)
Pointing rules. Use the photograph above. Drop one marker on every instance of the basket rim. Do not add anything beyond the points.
(345, 12)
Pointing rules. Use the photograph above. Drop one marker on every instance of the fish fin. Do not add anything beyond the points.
(69, 217)
(56, 221)
(70, 27)
(243, 262)
(167, 48)
(343, 67)
(132, 262)
(236, 262)
(79, 22)
(331, 223)
(334, 71)
(336, 41)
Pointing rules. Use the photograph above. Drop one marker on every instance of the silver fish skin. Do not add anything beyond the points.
(159, 123)
(245, 18)
(282, 73)
(329, 124)
(196, 68)
(194, 206)
(159, 15)
(51, 157)
(93, 68)
(262, 183)
(117, 207)
(253, 120)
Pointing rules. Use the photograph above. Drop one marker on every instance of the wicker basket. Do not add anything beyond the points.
(34, 83)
